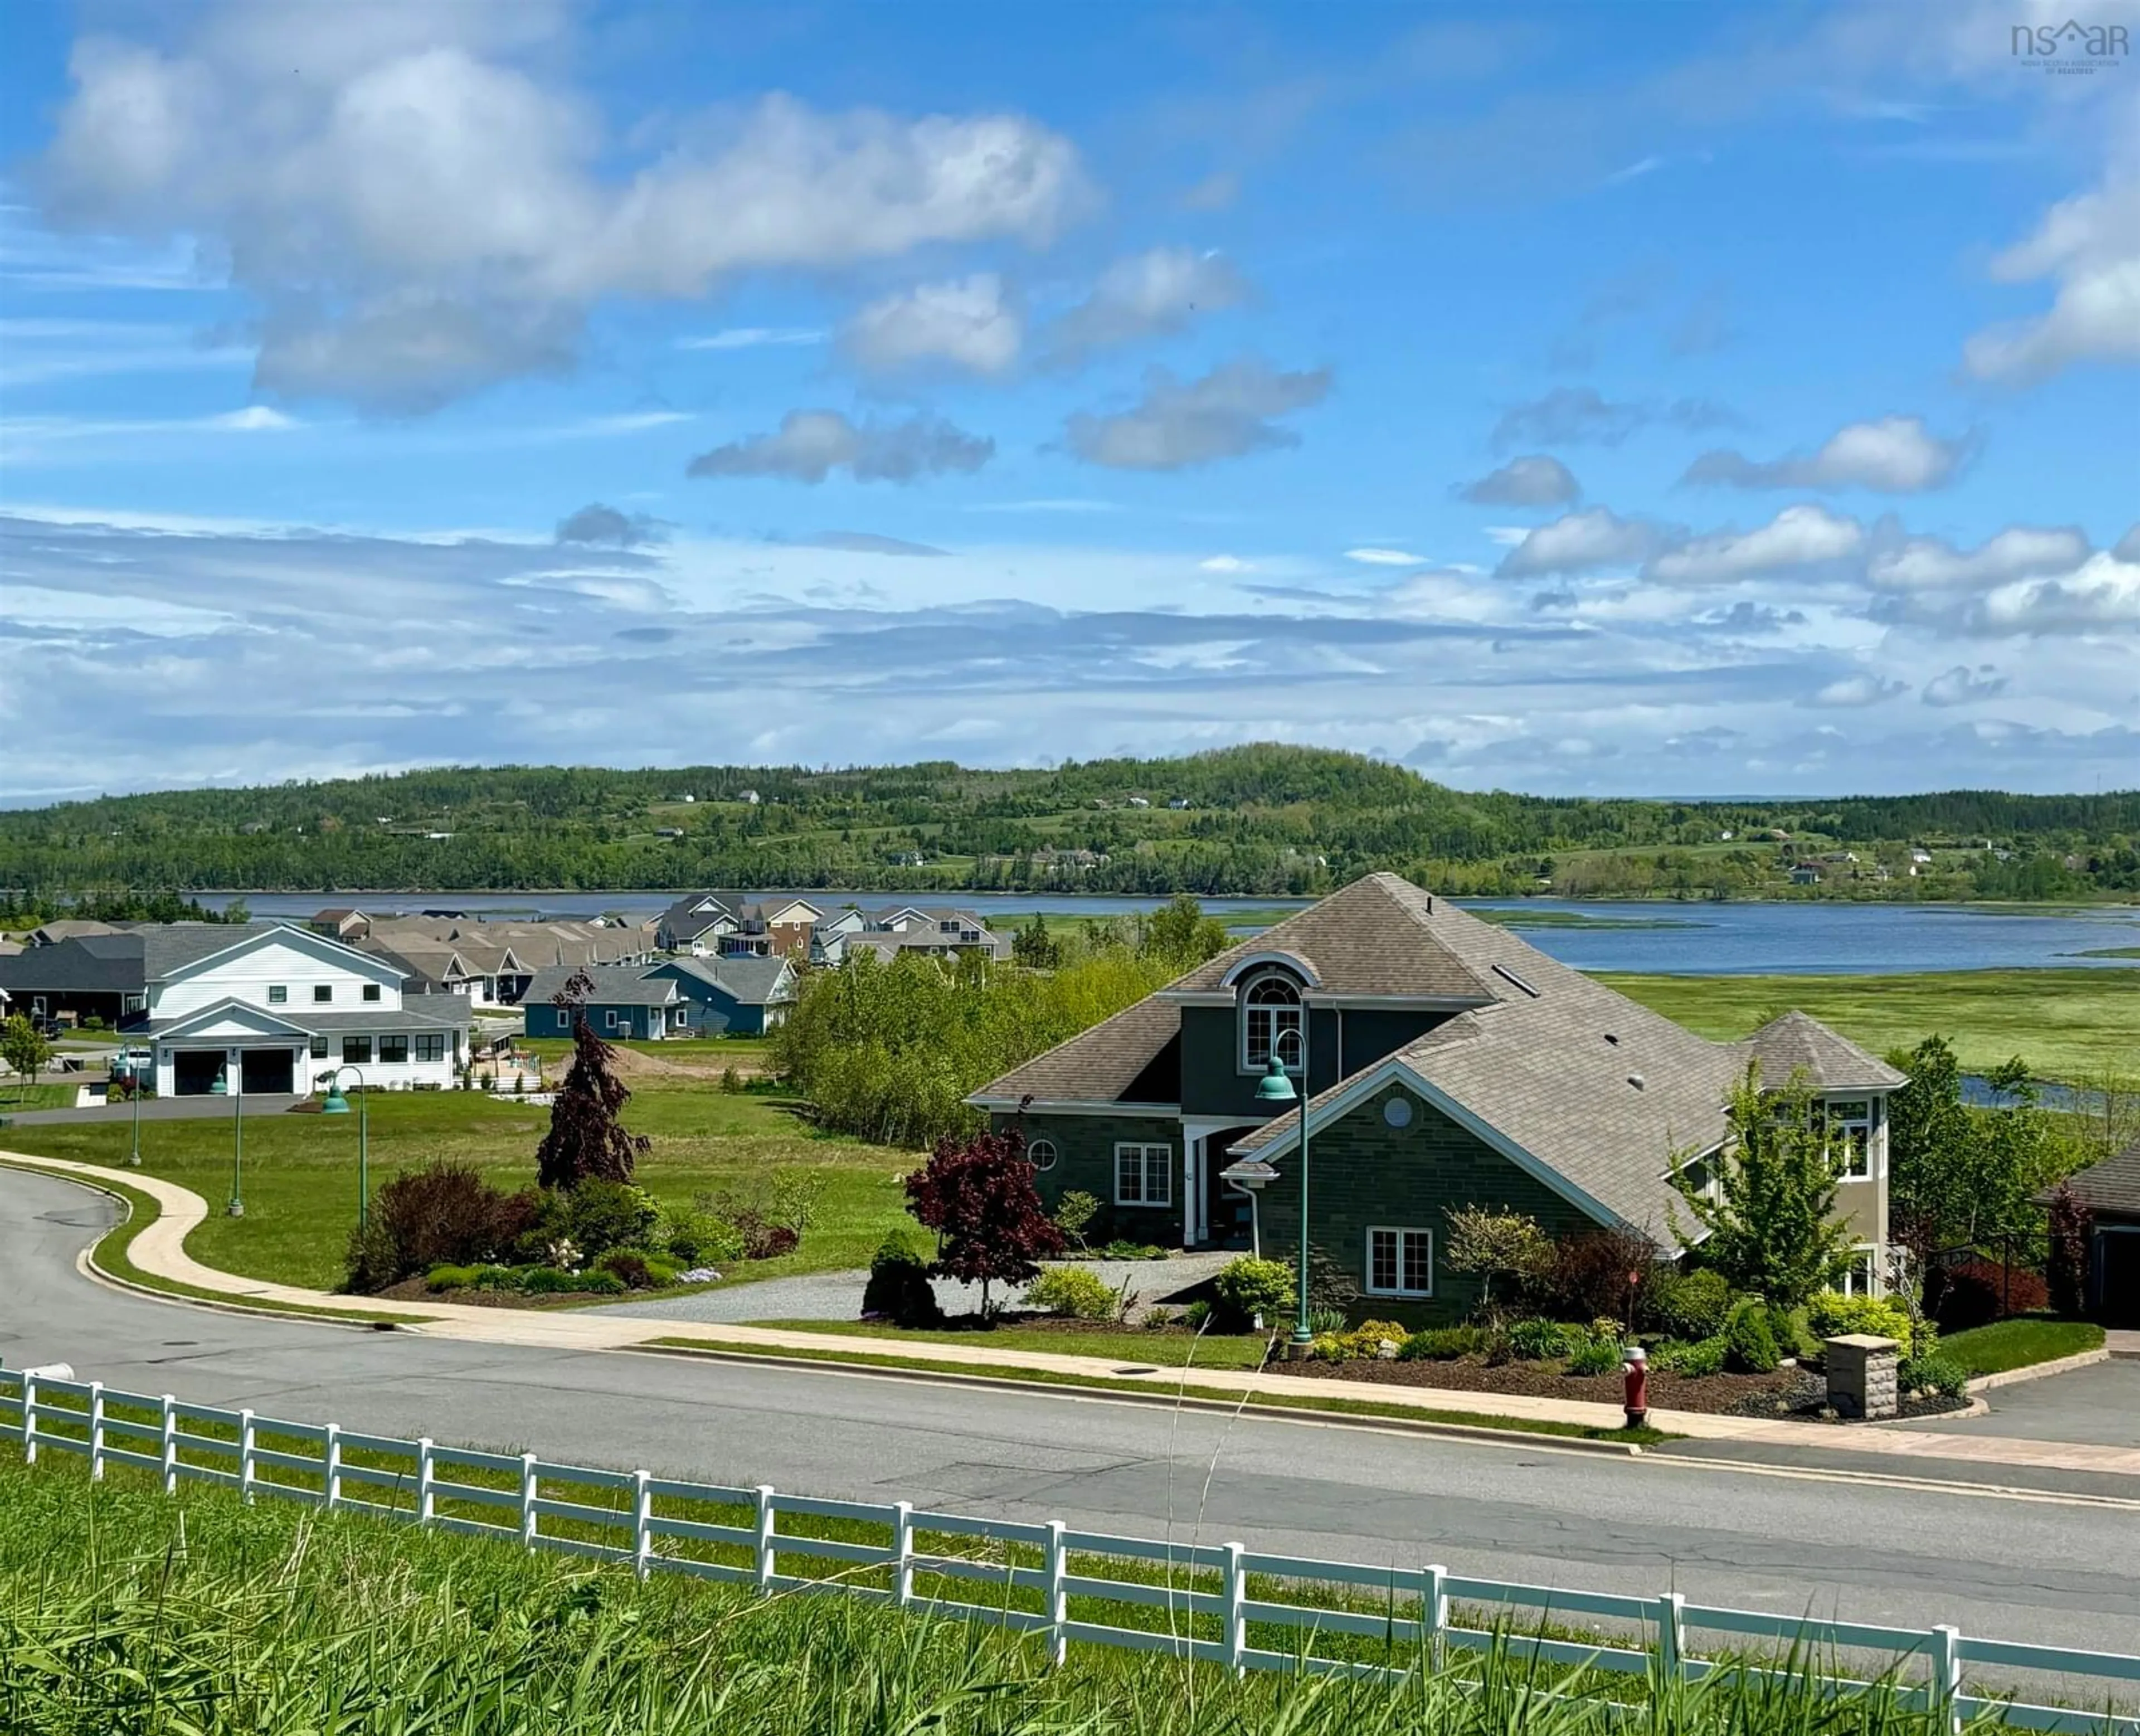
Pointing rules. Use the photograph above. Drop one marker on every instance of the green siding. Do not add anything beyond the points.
(1363, 1172)
(1085, 1145)
(1212, 1082)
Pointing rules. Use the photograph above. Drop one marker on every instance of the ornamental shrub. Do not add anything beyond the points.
(1441, 1344)
(1942, 1376)
(1691, 1360)
(1975, 1293)
(697, 1237)
(601, 1214)
(898, 1289)
(444, 1214)
(1599, 1357)
(1694, 1306)
(1074, 1292)
(1539, 1340)
(1749, 1346)
(1197, 1315)
(1250, 1286)
(628, 1265)
(450, 1277)
(1832, 1315)
(1074, 1212)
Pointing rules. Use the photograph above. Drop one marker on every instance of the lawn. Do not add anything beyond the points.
(1173, 1349)
(2066, 1024)
(2021, 1342)
(301, 1169)
(49, 1094)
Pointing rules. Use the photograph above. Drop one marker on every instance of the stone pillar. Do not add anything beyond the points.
(1861, 1375)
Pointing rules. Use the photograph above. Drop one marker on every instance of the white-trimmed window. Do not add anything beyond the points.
(1143, 1175)
(371, 991)
(1042, 1155)
(393, 1050)
(355, 1049)
(609, 1018)
(277, 993)
(1861, 1277)
(429, 1045)
(1850, 1135)
(1400, 1262)
(323, 993)
(1270, 1007)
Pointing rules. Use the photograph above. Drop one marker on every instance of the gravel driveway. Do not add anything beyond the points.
(838, 1295)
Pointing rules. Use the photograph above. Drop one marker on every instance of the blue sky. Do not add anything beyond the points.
(1631, 399)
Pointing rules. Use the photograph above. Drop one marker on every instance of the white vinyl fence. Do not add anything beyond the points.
(1221, 1603)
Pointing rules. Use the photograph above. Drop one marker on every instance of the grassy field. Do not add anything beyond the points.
(2020, 1343)
(129, 1612)
(1166, 1350)
(301, 1173)
(49, 1093)
(2066, 1024)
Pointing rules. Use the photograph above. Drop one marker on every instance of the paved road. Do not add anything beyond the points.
(202, 1108)
(2041, 1567)
(2099, 1404)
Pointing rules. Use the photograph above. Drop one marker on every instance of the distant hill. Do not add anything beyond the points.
(1259, 818)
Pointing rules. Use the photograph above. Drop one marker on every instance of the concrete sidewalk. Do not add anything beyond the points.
(160, 1249)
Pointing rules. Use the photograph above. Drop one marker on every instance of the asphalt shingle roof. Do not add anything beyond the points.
(749, 981)
(1097, 1066)
(615, 985)
(1798, 1042)
(1376, 936)
(2112, 1185)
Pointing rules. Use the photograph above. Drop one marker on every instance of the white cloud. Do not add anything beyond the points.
(253, 419)
(1385, 557)
(1538, 480)
(1800, 536)
(1932, 564)
(1225, 563)
(1580, 540)
(426, 211)
(1227, 414)
(1962, 685)
(1145, 296)
(2128, 544)
(973, 323)
(754, 337)
(2103, 592)
(1894, 455)
(810, 445)
(2091, 246)
(1851, 692)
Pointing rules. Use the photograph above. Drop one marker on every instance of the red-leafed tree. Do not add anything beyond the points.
(977, 1195)
(586, 1138)
(2065, 1272)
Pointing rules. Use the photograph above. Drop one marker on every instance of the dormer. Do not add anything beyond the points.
(1269, 990)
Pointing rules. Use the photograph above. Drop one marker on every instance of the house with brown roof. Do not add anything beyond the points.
(1444, 1063)
(2111, 1192)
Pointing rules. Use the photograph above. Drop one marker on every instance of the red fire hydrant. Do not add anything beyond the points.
(1636, 1369)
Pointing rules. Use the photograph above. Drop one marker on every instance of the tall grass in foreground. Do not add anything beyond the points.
(125, 1611)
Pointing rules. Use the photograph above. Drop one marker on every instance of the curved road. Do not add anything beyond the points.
(2047, 1565)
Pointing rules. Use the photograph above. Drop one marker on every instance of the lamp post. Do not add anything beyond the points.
(223, 1084)
(338, 1105)
(1275, 1087)
(134, 1091)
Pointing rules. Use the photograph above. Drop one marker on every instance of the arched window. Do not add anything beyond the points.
(1041, 1154)
(1270, 1007)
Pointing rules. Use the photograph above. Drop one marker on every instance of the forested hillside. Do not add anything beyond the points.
(1257, 820)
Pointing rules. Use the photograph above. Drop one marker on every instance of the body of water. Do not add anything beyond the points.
(1693, 940)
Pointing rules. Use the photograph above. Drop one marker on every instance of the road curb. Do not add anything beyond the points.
(2037, 1370)
(1151, 1396)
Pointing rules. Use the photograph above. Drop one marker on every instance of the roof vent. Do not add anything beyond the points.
(1507, 975)
(1634, 1080)
(1611, 1039)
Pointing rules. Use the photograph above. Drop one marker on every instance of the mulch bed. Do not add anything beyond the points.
(415, 1289)
(1718, 1394)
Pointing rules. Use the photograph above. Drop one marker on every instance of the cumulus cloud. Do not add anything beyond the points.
(974, 323)
(1851, 692)
(1962, 685)
(424, 207)
(1537, 481)
(1801, 536)
(1581, 540)
(1146, 295)
(1920, 564)
(1894, 455)
(1227, 414)
(2128, 546)
(1579, 415)
(1747, 616)
(810, 445)
(595, 525)
(2090, 247)
(2103, 592)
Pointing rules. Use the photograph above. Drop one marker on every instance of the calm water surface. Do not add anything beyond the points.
(1703, 939)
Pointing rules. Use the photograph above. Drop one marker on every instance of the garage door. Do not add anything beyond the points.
(2118, 1275)
(267, 1070)
(195, 1071)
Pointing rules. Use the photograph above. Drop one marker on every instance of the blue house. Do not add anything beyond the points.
(742, 997)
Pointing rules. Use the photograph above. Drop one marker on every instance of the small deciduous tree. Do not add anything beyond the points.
(585, 1138)
(23, 1047)
(1034, 947)
(2065, 1271)
(1487, 1245)
(1183, 935)
(977, 1194)
(1771, 1227)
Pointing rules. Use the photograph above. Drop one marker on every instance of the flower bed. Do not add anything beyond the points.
(1716, 1393)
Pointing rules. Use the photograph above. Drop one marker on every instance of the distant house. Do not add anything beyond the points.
(70, 927)
(1139, 802)
(938, 932)
(694, 924)
(2111, 1191)
(748, 797)
(1805, 874)
(676, 998)
(1179, 803)
(772, 928)
(667, 831)
(340, 922)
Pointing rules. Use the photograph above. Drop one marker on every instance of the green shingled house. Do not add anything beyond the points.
(1447, 1064)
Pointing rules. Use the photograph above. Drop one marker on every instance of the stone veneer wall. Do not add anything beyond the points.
(1362, 1173)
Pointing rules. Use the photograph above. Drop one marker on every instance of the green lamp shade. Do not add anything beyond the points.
(1274, 1086)
(219, 1085)
(336, 1105)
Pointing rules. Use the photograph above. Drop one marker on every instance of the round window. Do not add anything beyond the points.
(1042, 1154)
(1397, 1112)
